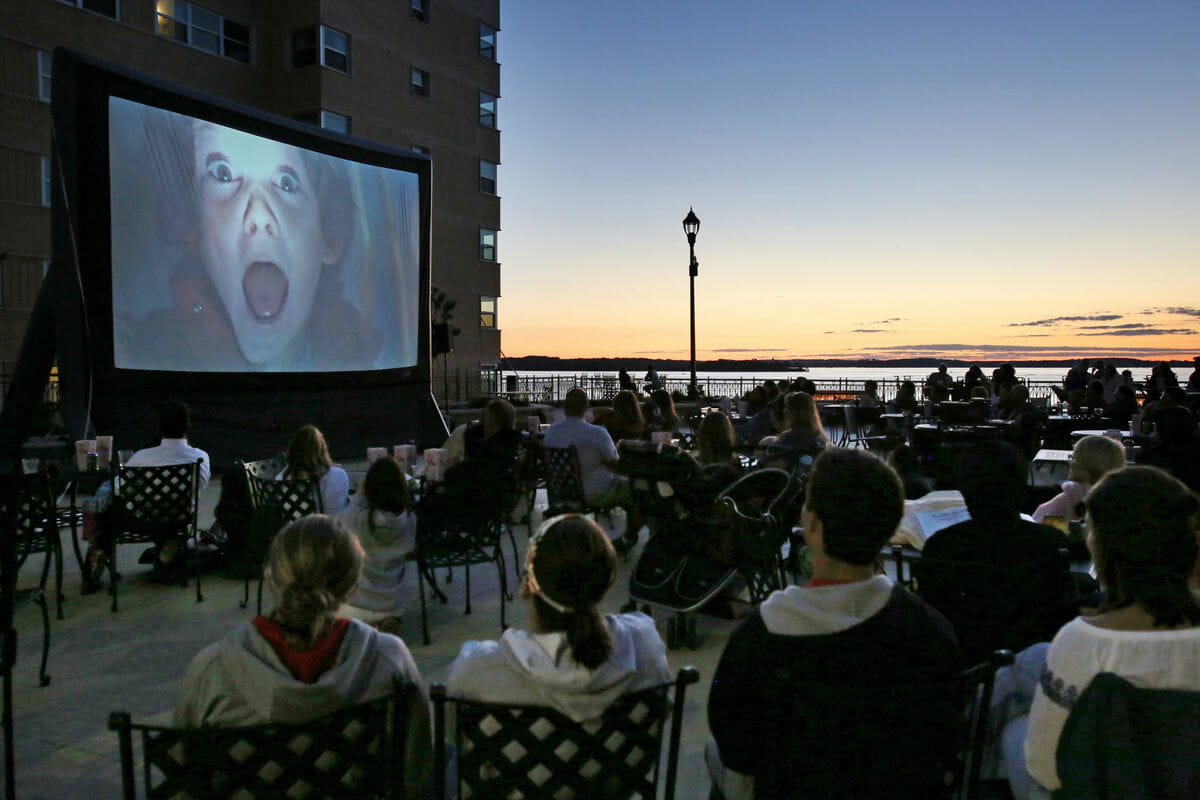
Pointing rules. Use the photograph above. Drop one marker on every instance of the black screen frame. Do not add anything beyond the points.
(80, 108)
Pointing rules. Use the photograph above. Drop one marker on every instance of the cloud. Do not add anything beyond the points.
(1056, 320)
(887, 321)
(1183, 311)
(1143, 332)
(749, 350)
(868, 330)
(1122, 326)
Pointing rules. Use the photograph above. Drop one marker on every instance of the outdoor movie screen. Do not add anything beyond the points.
(237, 253)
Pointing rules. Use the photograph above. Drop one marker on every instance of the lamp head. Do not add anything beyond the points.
(691, 226)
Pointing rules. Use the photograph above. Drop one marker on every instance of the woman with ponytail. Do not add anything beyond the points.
(302, 661)
(573, 658)
(1142, 531)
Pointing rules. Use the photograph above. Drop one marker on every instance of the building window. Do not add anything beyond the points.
(321, 45)
(487, 312)
(487, 109)
(487, 176)
(46, 180)
(197, 26)
(487, 41)
(108, 8)
(420, 83)
(328, 120)
(487, 244)
(420, 10)
(422, 149)
(45, 63)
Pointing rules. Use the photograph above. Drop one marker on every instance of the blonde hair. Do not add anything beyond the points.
(313, 566)
(1094, 457)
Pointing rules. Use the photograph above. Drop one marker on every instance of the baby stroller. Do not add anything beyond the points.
(696, 550)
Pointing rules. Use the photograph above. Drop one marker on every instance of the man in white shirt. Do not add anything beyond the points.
(173, 423)
(602, 488)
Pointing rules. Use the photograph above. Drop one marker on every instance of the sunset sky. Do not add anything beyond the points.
(1016, 179)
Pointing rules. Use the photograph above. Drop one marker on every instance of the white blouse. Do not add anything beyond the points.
(1160, 659)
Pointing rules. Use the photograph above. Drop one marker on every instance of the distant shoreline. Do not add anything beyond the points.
(637, 364)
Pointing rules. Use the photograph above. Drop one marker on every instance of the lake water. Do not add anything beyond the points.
(889, 374)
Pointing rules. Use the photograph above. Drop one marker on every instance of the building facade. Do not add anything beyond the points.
(414, 74)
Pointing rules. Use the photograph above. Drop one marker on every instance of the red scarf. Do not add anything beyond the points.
(305, 665)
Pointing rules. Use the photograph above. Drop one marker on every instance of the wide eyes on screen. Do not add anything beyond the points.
(220, 170)
(287, 181)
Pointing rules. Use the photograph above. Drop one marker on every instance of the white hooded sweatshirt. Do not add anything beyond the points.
(240, 680)
(521, 669)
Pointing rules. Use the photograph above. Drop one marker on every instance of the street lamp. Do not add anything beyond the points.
(691, 226)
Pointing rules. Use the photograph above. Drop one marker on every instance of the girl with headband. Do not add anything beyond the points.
(573, 658)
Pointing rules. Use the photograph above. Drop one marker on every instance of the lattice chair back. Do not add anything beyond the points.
(357, 752)
(460, 522)
(266, 468)
(154, 501)
(154, 504)
(527, 752)
(564, 482)
(274, 504)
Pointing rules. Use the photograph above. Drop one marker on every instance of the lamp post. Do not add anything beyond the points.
(691, 226)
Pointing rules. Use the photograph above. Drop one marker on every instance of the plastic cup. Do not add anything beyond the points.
(375, 453)
(104, 450)
(83, 447)
(661, 437)
(30, 466)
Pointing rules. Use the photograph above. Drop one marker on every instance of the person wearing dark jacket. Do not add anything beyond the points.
(801, 703)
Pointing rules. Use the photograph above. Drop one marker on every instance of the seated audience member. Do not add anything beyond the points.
(1029, 421)
(937, 394)
(602, 488)
(495, 437)
(1171, 397)
(1093, 396)
(174, 422)
(1077, 377)
(715, 440)
(1111, 379)
(941, 377)
(721, 467)
(1178, 447)
(907, 464)
(756, 421)
(1193, 381)
(1162, 377)
(1092, 459)
(803, 429)
(572, 658)
(1017, 590)
(625, 381)
(302, 661)
(626, 420)
(380, 515)
(308, 458)
(662, 416)
(869, 396)
(1123, 406)
(1142, 532)
(905, 399)
(818, 686)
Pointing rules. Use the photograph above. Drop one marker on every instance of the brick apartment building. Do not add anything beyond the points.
(415, 74)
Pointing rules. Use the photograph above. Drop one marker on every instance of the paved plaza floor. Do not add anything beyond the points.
(133, 660)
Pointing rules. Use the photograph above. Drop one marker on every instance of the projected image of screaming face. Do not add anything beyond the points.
(261, 239)
(239, 252)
